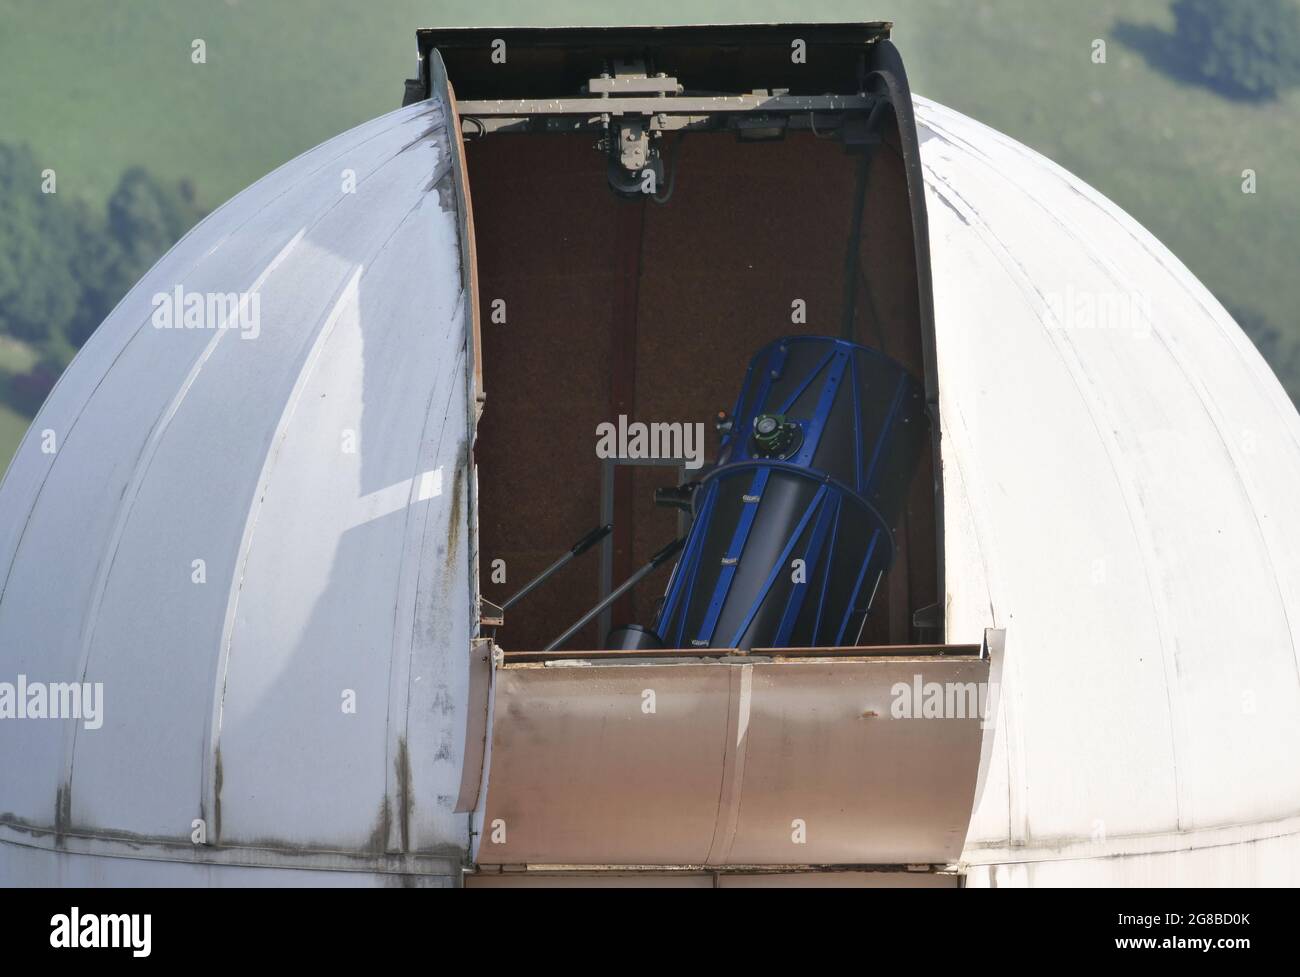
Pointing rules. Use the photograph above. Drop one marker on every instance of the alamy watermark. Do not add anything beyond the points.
(179, 309)
(638, 441)
(920, 699)
(1076, 309)
(53, 700)
(76, 930)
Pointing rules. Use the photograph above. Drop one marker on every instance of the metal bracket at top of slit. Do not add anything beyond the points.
(818, 113)
(670, 104)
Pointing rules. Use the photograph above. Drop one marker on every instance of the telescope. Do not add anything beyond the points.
(792, 530)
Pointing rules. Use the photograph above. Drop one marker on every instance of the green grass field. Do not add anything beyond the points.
(94, 87)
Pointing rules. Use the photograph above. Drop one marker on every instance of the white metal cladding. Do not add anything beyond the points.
(1120, 477)
(319, 471)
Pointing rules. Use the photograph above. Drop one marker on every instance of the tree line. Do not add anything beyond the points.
(64, 264)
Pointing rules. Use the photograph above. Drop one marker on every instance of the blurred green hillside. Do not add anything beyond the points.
(96, 88)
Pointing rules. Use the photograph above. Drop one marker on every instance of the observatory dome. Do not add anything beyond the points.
(259, 535)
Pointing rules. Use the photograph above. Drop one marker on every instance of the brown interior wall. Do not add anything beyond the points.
(750, 227)
(888, 318)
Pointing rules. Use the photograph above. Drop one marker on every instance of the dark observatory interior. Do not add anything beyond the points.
(652, 310)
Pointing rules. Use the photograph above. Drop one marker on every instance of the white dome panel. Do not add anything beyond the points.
(1118, 482)
(316, 466)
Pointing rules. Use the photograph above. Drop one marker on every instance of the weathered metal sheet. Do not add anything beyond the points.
(832, 777)
(580, 773)
(732, 762)
(86, 862)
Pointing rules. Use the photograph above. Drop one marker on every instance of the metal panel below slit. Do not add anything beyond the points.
(756, 759)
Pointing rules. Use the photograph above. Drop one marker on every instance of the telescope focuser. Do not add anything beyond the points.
(775, 436)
